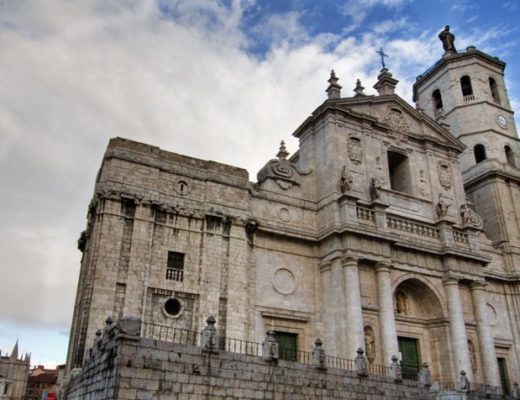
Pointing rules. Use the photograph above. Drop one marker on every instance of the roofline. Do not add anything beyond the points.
(334, 105)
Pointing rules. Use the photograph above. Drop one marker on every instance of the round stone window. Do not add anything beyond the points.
(173, 307)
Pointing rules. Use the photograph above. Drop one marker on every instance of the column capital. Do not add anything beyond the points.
(450, 280)
(478, 285)
(349, 261)
(383, 266)
(325, 266)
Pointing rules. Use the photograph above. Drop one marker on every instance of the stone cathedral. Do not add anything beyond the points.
(393, 228)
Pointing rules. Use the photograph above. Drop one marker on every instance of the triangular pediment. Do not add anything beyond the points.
(387, 115)
(395, 118)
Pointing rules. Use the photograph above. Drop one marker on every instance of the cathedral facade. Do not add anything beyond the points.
(392, 228)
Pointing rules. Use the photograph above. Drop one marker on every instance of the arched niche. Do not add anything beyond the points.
(414, 298)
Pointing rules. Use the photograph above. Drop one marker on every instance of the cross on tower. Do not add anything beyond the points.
(382, 55)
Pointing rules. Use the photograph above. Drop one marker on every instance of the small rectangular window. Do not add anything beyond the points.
(175, 266)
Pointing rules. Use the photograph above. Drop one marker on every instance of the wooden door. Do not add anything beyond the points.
(410, 357)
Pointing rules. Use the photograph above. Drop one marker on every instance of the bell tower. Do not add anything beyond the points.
(465, 91)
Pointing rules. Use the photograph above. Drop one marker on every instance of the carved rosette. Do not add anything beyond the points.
(444, 173)
(394, 118)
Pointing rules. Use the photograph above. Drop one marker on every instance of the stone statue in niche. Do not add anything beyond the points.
(380, 175)
(423, 185)
(444, 173)
(469, 216)
(355, 150)
(442, 208)
(374, 189)
(370, 344)
(378, 180)
(345, 182)
(401, 303)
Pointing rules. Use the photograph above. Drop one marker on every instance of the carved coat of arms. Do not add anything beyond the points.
(395, 120)
(355, 150)
(444, 173)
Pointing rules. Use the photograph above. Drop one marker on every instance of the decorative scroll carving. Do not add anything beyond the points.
(283, 172)
(444, 173)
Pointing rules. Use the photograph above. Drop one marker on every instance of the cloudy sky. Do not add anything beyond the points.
(222, 80)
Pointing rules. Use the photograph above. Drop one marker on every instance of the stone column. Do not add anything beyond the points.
(337, 305)
(486, 343)
(353, 313)
(329, 333)
(385, 300)
(459, 340)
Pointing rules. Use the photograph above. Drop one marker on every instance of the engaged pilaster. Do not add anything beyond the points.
(353, 312)
(386, 312)
(459, 340)
(488, 356)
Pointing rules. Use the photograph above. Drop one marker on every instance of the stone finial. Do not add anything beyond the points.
(385, 83)
(282, 153)
(318, 355)
(334, 89)
(463, 382)
(270, 350)
(209, 338)
(361, 363)
(425, 375)
(358, 90)
(395, 369)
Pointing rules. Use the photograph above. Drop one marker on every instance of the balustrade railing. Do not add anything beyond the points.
(173, 274)
(416, 228)
(474, 387)
(460, 237)
(364, 213)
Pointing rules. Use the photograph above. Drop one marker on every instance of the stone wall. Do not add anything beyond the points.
(130, 367)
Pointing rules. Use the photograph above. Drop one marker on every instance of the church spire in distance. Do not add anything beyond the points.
(14, 353)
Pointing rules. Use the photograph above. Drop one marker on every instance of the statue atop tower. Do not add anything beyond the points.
(448, 40)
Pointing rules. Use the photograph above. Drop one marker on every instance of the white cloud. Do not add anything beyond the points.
(358, 10)
(74, 74)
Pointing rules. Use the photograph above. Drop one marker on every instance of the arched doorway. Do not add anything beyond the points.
(422, 328)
